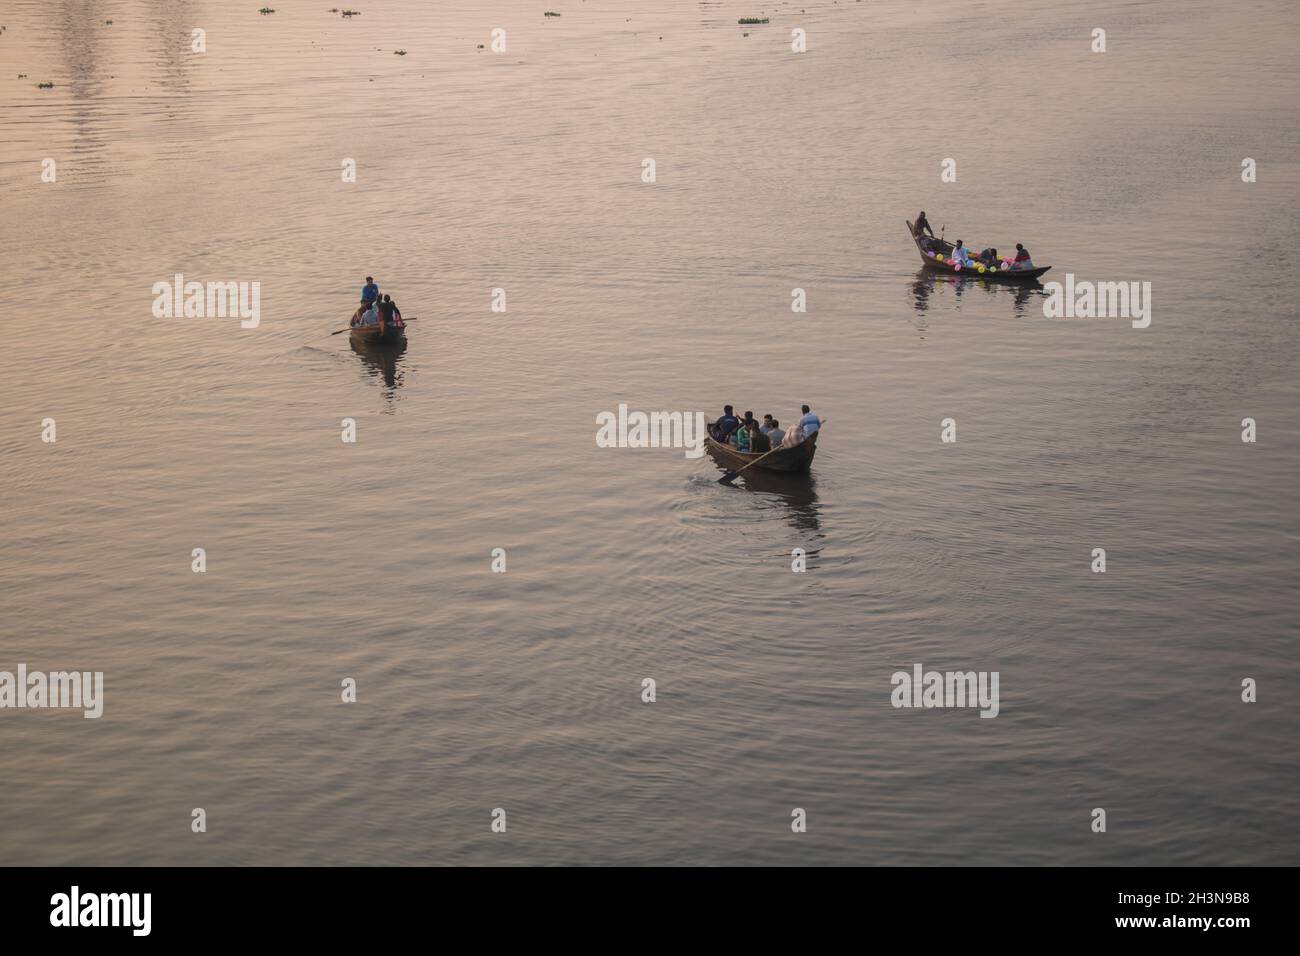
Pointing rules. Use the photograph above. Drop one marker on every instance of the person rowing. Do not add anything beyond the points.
(922, 226)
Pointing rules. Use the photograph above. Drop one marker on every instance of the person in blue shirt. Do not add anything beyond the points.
(369, 291)
(810, 422)
(725, 425)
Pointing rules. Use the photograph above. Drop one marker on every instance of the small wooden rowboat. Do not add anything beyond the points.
(796, 458)
(944, 249)
(370, 335)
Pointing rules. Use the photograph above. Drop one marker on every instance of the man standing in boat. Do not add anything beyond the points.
(922, 226)
(369, 293)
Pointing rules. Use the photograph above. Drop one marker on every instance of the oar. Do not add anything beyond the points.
(351, 327)
(731, 476)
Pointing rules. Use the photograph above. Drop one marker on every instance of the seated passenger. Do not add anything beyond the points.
(742, 437)
(387, 312)
(1022, 258)
(747, 422)
(776, 434)
(960, 254)
(726, 425)
(810, 422)
(759, 443)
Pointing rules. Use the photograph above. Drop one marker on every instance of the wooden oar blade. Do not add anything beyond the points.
(728, 478)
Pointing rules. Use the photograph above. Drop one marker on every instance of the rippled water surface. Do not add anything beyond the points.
(522, 171)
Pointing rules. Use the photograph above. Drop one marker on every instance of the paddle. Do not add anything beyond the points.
(351, 327)
(731, 476)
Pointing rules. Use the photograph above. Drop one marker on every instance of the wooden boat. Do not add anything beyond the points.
(796, 458)
(370, 335)
(988, 275)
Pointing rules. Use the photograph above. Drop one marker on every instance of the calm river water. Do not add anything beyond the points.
(774, 171)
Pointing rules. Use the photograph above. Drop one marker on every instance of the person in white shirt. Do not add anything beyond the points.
(369, 317)
(810, 422)
(793, 436)
(961, 254)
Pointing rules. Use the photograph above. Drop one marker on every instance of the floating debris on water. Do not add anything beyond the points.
(45, 86)
(752, 20)
(550, 13)
(400, 52)
(266, 10)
